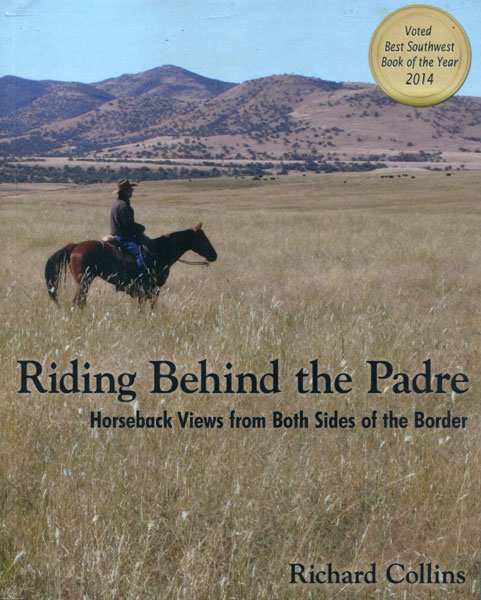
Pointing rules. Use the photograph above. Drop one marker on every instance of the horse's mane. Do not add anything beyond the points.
(161, 244)
(164, 243)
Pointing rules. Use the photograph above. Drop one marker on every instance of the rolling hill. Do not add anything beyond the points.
(167, 81)
(170, 113)
(16, 92)
(63, 101)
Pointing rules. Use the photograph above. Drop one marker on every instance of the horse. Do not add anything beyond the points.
(93, 258)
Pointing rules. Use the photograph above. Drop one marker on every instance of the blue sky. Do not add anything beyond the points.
(231, 40)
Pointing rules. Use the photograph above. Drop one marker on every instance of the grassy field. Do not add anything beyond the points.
(338, 268)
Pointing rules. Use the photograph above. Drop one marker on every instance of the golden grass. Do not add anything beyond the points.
(308, 268)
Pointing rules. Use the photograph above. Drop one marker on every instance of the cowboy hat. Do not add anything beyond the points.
(124, 184)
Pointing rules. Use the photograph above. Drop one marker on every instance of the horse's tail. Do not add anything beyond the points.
(56, 265)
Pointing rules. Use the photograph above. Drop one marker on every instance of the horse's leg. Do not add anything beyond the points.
(145, 289)
(154, 297)
(141, 297)
(83, 276)
(80, 298)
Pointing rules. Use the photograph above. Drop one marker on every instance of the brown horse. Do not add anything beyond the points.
(91, 259)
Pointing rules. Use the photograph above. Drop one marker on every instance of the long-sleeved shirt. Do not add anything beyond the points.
(122, 221)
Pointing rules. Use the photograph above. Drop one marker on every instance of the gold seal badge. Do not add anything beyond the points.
(419, 55)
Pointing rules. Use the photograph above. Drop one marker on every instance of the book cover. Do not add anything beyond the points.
(297, 414)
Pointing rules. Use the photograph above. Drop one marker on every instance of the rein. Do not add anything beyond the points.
(201, 263)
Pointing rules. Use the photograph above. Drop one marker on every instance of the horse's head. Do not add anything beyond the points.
(202, 246)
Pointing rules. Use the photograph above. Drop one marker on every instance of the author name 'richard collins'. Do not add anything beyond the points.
(422, 573)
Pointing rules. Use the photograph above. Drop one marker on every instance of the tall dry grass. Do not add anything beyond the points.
(342, 269)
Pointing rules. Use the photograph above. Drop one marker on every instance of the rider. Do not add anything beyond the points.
(124, 228)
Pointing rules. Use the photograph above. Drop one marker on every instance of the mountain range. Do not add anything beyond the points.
(171, 113)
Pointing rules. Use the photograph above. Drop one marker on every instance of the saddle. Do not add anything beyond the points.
(125, 276)
(119, 253)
